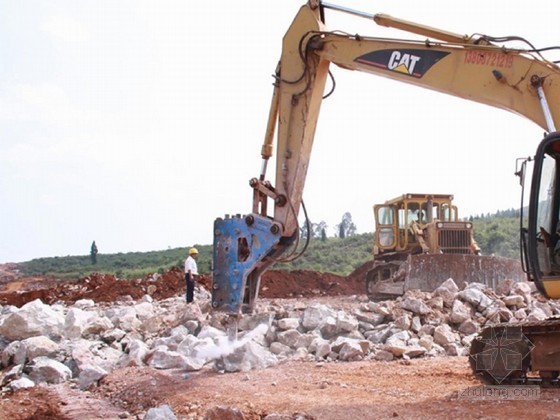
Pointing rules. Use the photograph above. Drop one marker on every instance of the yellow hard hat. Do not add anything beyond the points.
(193, 251)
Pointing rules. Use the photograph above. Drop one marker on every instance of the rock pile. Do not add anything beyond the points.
(82, 342)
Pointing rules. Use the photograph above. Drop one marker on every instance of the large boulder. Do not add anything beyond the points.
(33, 319)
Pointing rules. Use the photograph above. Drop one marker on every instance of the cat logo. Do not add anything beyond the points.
(403, 63)
(408, 62)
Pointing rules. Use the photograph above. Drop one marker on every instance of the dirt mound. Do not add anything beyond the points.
(97, 287)
(107, 288)
(301, 283)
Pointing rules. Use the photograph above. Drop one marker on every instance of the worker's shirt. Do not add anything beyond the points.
(190, 265)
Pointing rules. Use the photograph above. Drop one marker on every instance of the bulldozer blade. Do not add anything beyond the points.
(428, 271)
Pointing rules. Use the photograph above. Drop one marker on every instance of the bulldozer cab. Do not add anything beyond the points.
(399, 223)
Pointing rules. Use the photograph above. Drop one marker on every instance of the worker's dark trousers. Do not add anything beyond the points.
(190, 287)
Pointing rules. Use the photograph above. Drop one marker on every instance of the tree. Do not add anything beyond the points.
(346, 227)
(304, 230)
(319, 229)
(93, 253)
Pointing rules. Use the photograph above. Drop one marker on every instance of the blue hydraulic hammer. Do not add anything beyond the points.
(240, 246)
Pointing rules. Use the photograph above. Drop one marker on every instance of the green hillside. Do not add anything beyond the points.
(496, 234)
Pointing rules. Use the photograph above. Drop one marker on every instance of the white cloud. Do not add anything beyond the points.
(43, 103)
(65, 28)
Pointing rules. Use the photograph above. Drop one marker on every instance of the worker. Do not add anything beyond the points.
(191, 270)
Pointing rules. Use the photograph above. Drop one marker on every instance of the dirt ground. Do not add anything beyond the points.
(417, 389)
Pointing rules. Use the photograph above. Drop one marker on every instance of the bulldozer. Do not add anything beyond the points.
(420, 242)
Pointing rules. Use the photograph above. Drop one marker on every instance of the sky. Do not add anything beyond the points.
(137, 123)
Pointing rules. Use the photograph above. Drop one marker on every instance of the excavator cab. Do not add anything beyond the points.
(541, 236)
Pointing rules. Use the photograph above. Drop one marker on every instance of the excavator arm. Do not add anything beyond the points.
(471, 68)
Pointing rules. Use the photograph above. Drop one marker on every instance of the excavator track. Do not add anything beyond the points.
(527, 353)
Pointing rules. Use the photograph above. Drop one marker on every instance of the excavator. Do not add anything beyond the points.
(420, 242)
(479, 68)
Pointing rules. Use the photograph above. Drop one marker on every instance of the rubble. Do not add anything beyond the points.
(84, 341)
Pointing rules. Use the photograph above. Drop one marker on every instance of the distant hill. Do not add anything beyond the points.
(496, 234)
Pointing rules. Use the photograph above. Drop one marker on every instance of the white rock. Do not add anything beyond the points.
(113, 335)
(289, 338)
(467, 340)
(504, 287)
(33, 318)
(447, 291)
(346, 322)
(249, 356)
(288, 323)
(137, 352)
(384, 356)
(400, 335)
(403, 322)
(520, 314)
(12, 374)
(97, 325)
(524, 289)
(279, 348)
(162, 358)
(415, 351)
(47, 370)
(379, 336)
(514, 300)
(329, 328)
(460, 312)
(443, 335)
(395, 347)
(315, 315)
(144, 310)
(212, 332)
(475, 297)
(126, 319)
(84, 304)
(250, 322)
(75, 322)
(21, 383)
(416, 324)
(371, 318)
(427, 329)
(416, 306)
(426, 341)
(320, 347)
(536, 314)
(163, 412)
(90, 375)
(468, 327)
(351, 351)
(38, 346)
(453, 349)
(12, 355)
